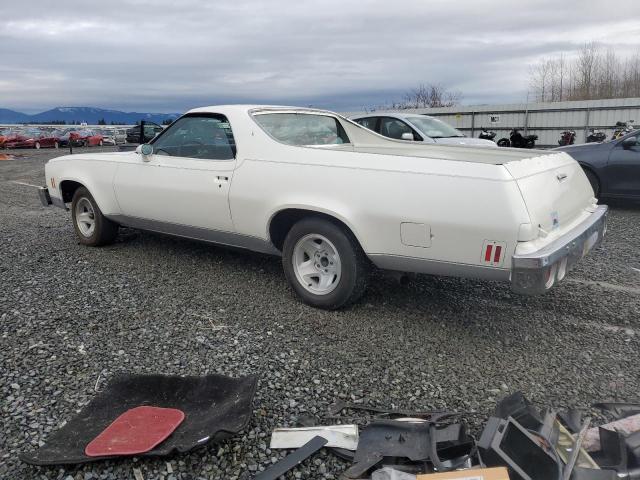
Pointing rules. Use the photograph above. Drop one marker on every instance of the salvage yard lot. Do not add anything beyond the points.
(72, 317)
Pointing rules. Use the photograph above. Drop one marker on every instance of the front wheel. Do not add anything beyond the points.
(324, 264)
(91, 226)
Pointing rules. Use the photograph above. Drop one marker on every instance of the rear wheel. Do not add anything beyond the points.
(91, 226)
(593, 180)
(504, 142)
(37, 145)
(324, 264)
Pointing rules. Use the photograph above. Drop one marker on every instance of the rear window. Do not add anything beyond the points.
(302, 129)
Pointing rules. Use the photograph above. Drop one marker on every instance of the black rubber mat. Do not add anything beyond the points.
(215, 407)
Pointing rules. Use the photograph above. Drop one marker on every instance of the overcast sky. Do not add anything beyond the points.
(168, 56)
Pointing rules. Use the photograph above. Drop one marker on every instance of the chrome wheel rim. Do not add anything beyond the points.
(316, 263)
(85, 217)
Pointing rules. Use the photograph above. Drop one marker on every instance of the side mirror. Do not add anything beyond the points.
(145, 150)
(629, 142)
(407, 136)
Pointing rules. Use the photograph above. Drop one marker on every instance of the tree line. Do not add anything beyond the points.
(594, 73)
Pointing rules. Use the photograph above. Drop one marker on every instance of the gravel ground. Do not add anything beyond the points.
(72, 317)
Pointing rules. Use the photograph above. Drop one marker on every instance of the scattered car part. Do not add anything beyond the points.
(508, 443)
(613, 452)
(413, 439)
(433, 416)
(293, 459)
(580, 473)
(626, 426)
(216, 407)
(340, 436)
(136, 431)
(619, 409)
(571, 418)
(564, 446)
(389, 473)
(521, 410)
(575, 451)
(633, 446)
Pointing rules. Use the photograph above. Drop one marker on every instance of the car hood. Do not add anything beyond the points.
(583, 147)
(476, 142)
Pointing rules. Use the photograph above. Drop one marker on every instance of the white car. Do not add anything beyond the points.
(333, 199)
(414, 127)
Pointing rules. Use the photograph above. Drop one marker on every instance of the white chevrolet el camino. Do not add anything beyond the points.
(333, 198)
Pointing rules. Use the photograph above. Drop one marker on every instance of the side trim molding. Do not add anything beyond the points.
(197, 233)
(438, 267)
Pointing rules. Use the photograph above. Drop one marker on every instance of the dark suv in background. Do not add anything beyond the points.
(612, 167)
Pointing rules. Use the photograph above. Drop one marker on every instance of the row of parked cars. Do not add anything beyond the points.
(29, 137)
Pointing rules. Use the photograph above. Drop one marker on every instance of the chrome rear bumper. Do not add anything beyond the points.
(537, 272)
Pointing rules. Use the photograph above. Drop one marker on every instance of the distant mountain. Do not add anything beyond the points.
(11, 116)
(88, 115)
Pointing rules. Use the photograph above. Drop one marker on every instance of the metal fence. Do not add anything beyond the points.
(547, 120)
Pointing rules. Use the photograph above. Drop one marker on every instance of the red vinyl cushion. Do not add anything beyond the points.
(137, 430)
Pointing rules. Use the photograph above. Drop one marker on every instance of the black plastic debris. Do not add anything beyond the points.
(216, 407)
(414, 440)
(619, 409)
(521, 410)
(507, 443)
(293, 459)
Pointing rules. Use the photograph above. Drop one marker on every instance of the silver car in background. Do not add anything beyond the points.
(417, 128)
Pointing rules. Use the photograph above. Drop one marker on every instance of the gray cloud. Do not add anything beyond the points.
(169, 56)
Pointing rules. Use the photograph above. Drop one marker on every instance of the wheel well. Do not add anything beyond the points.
(587, 168)
(282, 222)
(68, 188)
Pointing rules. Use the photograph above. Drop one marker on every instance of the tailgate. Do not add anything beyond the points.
(554, 188)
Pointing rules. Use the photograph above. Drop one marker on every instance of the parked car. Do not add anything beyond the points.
(89, 138)
(332, 197)
(108, 137)
(43, 139)
(612, 167)
(150, 130)
(19, 140)
(417, 128)
(7, 136)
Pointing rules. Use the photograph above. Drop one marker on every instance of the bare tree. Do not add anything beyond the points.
(430, 95)
(593, 74)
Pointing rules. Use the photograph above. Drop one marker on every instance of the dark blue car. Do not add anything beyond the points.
(612, 167)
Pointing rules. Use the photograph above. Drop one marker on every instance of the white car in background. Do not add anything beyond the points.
(334, 198)
(417, 128)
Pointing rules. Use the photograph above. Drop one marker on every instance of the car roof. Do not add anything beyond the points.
(399, 115)
(226, 109)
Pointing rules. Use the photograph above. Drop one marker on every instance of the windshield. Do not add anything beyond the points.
(434, 128)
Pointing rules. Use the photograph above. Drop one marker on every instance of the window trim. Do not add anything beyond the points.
(256, 112)
(234, 146)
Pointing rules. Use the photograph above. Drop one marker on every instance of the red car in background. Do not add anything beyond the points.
(31, 139)
(86, 138)
(7, 136)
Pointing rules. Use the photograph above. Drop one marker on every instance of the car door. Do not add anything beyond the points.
(622, 173)
(185, 181)
(395, 128)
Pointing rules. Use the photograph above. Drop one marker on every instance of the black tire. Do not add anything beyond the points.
(354, 272)
(504, 142)
(104, 231)
(593, 180)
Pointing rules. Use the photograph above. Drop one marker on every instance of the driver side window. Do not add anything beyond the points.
(197, 136)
